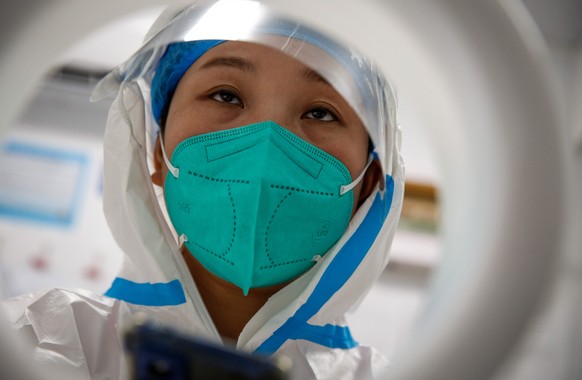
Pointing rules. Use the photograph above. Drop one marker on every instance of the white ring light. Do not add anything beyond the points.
(488, 103)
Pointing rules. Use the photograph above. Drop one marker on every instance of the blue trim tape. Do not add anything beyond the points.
(336, 275)
(331, 336)
(147, 294)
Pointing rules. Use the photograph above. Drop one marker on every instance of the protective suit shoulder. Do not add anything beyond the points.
(312, 361)
(66, 331)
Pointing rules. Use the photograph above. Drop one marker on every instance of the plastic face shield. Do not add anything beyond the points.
(353, 75)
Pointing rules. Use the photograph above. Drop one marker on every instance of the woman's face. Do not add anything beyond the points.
(237, 83)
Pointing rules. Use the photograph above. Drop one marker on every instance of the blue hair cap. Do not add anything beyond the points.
(177, 58)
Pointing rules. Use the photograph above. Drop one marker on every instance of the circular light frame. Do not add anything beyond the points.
(477, 70)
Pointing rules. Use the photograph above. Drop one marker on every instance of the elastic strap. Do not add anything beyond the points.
(345, 188)
(175, 171)
(182, 239)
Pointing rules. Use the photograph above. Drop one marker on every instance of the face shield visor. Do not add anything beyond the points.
(348, 71)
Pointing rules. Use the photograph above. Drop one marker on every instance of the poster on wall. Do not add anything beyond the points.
(41, 183)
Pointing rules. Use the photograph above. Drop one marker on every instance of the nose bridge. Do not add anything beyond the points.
(275, 108)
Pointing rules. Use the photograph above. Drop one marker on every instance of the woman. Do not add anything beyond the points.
(252, 177)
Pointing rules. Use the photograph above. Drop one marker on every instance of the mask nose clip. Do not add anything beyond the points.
(346, 188)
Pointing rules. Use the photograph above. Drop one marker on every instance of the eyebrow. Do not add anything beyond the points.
(235, 62)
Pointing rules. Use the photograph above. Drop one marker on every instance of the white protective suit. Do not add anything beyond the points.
(81, 332)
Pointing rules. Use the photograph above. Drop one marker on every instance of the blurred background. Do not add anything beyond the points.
(55, 235)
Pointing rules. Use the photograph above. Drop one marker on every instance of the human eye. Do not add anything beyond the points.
(320, 114)
(226, 96)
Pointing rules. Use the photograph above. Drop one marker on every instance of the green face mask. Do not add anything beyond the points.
(256, 205)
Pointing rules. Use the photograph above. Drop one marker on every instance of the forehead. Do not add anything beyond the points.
(252, 57)
(257, 55)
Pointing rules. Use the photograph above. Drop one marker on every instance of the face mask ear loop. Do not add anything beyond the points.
(345, 188)
(182, 239)
(175, 171)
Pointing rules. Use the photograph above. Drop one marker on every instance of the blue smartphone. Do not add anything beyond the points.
(157, 352)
